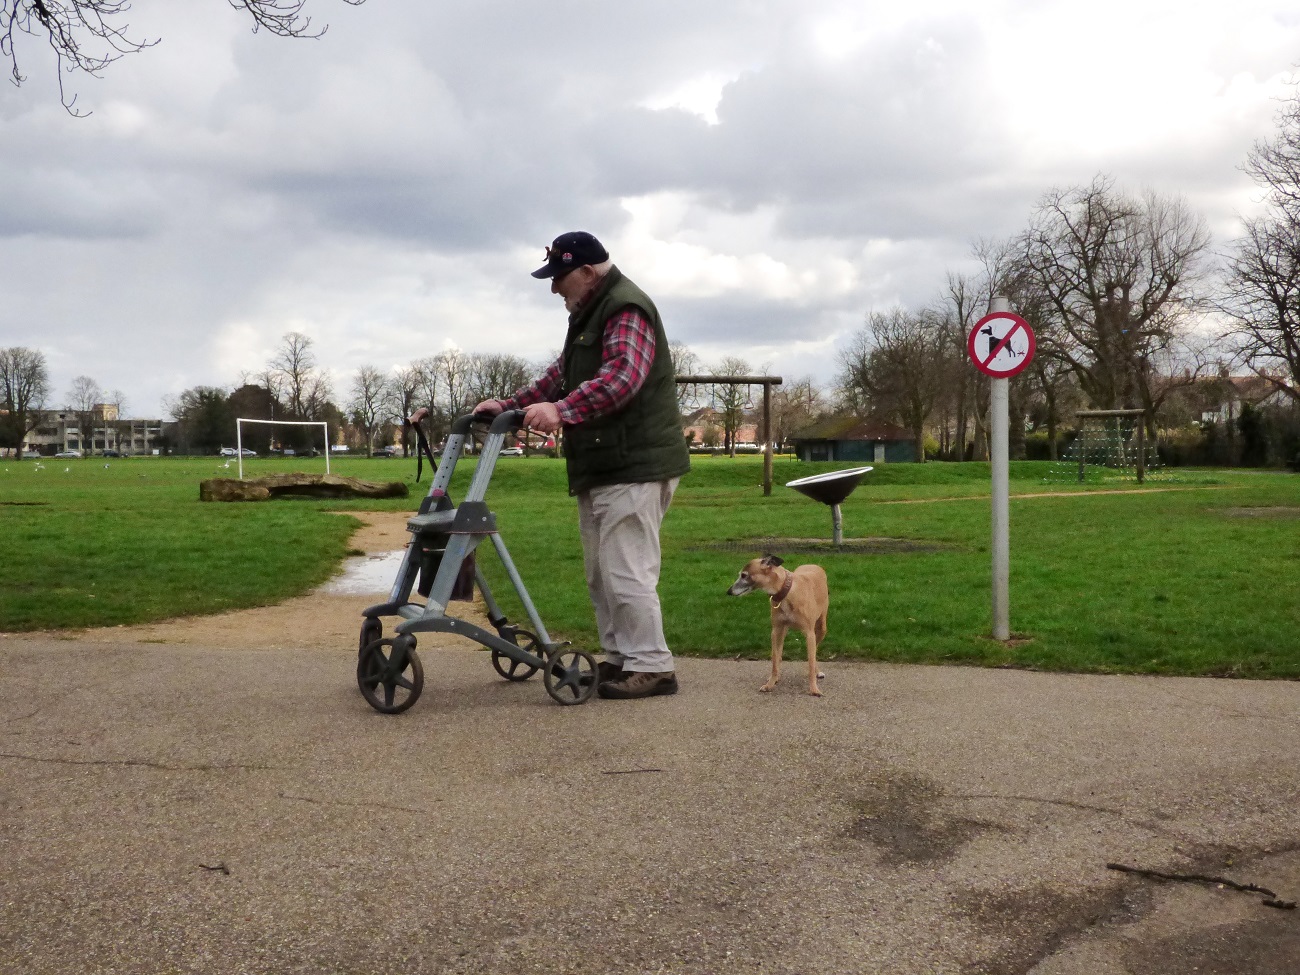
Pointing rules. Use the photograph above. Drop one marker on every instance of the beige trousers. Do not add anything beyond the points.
(620, 549)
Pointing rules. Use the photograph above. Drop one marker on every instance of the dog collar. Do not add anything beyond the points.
(784, 590)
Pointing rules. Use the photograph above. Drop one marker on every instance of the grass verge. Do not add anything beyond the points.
(1196, 575)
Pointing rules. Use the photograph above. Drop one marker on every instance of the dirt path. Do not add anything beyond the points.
(318, 619)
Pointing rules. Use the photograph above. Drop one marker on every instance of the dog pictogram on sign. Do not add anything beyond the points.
(1001, 344)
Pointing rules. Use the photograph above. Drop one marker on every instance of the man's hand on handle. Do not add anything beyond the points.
(542, 417)
(417, 416)
(489, 407)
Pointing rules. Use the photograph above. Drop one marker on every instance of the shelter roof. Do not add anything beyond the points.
(852, 428)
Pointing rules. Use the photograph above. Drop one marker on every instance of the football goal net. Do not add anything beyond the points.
(1109, 444)
(239, 436)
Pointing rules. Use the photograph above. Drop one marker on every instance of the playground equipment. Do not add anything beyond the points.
(831, 489)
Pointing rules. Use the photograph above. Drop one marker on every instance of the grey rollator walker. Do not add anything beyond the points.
(439, 565)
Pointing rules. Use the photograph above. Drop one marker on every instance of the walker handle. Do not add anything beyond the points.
(507, 421)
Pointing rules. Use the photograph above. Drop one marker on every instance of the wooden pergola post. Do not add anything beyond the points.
(767, 382)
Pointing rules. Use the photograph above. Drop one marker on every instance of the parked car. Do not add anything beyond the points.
(388, 451)
(68, 453)
(512, 451)
(112, 453)
(339, 448)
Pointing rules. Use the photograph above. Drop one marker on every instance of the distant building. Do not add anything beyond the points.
(1225, 396)
(706, 423)
(59, 431)
(851, 438)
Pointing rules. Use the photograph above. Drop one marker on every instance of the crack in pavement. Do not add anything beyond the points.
(133, 762)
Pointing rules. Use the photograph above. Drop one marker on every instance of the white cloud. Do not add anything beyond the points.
(699, 96)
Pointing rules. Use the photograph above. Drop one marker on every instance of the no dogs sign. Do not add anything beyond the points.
(1001, 344)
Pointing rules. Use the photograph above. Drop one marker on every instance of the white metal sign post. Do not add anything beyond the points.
(1001, 344)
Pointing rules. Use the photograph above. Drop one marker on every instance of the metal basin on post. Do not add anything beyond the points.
(830, 489)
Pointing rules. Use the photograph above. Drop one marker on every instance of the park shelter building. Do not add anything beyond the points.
(852, 438)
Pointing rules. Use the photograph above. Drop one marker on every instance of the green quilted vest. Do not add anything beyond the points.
(643, 441)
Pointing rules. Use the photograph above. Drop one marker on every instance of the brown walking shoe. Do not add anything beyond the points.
(638, 684)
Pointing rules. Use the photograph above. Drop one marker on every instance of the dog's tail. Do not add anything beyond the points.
(819, 628)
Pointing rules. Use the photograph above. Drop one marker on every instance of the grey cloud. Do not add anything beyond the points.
(478, 131)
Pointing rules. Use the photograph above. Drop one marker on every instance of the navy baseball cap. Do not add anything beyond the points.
(571, 250)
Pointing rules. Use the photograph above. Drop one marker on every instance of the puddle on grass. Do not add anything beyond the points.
(364, 575)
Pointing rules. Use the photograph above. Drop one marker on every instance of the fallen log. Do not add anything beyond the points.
(297, 486)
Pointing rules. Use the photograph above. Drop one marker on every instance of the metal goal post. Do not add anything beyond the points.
(239, 436)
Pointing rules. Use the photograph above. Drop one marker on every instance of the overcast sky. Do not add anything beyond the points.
(768, 170)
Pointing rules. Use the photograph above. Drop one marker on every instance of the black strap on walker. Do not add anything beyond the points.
(422, 450)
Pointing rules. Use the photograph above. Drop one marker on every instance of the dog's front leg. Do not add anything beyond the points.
(810, 637)
(778, 645)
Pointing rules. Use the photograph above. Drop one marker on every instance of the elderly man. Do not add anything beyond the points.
(614, 393)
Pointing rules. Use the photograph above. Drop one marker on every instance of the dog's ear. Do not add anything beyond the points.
(770, 559)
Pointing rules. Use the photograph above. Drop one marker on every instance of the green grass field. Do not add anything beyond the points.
(1198, 575)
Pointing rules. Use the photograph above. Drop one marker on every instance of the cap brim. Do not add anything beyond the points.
(547, 270)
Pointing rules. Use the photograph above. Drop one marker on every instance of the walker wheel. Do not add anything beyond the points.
(512, 669)
(569, 676)
(371, 630)
(390, 675)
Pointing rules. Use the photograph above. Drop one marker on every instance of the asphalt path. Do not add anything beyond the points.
(194, 809)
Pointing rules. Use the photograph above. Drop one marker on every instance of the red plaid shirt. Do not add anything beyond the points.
(627, 352)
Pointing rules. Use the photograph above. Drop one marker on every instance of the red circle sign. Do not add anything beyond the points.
(1001, 344)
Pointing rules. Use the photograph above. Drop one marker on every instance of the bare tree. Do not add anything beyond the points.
(425, 378)
(685, 363)
(1274, 163)
(24, 388)
(442, 383)
(1262, 287)
(451, 381)
(732, 399)
(370, 403)
(305, 387)
(795, 405)
(113, 417)
(84, 395)
(1120, 276)
(896, 367)
(962, 401)
(496, 376)
(403, 397)
(89, 35)
(1262, 297)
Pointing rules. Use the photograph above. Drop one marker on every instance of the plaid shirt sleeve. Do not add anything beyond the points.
(627, 352)
(545, 389)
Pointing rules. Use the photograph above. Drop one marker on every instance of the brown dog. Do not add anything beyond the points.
(799, 599)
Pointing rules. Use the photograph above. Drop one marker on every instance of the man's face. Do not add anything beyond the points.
(573, 286)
